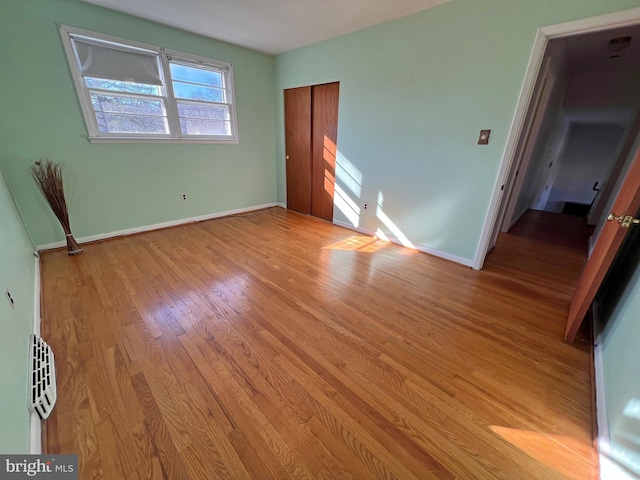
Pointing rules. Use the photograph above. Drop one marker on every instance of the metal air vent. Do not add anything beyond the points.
(42, 377)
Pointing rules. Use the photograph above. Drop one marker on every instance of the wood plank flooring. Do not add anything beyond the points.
(556, 228)
(272, 345)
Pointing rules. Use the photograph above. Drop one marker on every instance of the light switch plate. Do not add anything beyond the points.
(483, 139)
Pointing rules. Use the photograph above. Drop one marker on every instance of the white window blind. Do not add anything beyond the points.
(117, 62)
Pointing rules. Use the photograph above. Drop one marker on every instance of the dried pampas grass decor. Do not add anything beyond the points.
(48, 177)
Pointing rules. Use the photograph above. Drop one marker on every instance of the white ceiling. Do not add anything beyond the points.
(269, 26)
(589, 53)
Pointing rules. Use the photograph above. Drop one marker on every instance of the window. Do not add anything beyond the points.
(132, 92)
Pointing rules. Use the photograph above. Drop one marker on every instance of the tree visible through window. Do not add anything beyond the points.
(201, 96)
(134, 91)
(124, 112)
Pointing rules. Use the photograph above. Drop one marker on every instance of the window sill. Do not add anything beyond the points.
(234, 141)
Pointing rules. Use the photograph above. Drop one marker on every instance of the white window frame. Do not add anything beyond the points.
(175, 135)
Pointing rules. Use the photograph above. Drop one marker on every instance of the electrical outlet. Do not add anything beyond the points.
(10, 298)
(365, 206)
(183, 197)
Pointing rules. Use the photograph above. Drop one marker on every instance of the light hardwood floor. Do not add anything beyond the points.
(273, 345)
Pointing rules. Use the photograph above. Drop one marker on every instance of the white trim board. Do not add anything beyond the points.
(36, 295)
(35, 434)
(312, 83)
(157, 226)
(602, 419)
(421, 248)
(544, 34)
(35, 424)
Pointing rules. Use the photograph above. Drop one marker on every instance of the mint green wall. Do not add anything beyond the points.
(16, 275)
(618, 311)
(621, 366)
(120, 186)
(414, 94)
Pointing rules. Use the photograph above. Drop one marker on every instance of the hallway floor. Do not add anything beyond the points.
(558, 228)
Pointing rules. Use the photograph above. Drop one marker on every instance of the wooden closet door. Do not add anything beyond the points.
(297, 124)
(325, 138)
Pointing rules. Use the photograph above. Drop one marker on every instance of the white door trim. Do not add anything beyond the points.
(525, 151)
(544, 34)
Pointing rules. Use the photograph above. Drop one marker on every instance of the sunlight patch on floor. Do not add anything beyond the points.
(556, 451)
(359, 243)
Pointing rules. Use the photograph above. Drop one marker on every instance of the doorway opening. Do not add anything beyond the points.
(576, 124)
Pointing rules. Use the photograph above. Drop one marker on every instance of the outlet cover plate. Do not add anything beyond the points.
(10, 298)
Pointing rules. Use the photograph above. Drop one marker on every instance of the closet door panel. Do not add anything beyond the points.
(297, 121)
(324, 123)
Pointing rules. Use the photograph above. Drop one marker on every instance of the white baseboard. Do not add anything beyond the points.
(421, 248)
(157, 226)
(598, 366)
(350, 226)
(35, 435)
(36, 296)
(35, 424)
(439, 253)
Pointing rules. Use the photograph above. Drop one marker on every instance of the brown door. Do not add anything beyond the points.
(627, 204)
(297, 124)
(324, 137)
(311, 130)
